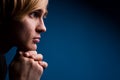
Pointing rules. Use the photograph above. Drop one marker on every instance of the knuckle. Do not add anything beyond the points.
(40, 69)
(32, 52)
(40, 56)
(44, 64)
(31, 63)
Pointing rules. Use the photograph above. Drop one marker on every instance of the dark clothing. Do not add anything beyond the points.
(3, 67)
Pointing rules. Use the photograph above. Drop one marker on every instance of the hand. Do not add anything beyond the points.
(27, 66)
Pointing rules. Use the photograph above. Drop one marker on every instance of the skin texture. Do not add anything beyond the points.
(28, 64)
(32, 66)
(28, 29)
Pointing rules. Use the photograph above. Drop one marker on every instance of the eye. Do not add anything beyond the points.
(45, 15)
(38, 14)
(35, 14)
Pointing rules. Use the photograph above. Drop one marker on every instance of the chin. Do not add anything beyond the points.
(33, 47)
(28, 48)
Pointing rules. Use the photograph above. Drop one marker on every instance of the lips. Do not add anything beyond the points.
(36, 39)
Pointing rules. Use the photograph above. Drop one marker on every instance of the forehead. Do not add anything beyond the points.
(33, 5)
(42, 4)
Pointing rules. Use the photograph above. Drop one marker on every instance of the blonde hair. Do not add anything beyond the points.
(16, 9)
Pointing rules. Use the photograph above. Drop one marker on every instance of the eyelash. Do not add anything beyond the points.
(37, 15)
(45, 15)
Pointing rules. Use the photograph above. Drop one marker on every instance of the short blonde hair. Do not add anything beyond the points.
(15, 9)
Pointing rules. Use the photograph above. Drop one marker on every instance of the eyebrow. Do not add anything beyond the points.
(43, 11)
(46, 11)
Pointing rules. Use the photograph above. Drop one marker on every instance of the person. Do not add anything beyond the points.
(21, 25)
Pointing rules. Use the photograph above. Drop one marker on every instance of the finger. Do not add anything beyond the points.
(22, 53)
(19, 53)
(30, 54)
(43, 64)
(33, 54)
(25, 54)
(38, 57)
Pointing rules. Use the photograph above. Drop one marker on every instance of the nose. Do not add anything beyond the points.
(41, 26)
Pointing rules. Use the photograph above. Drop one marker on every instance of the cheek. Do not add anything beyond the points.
(27, 31)
(25, 34)
(21, 32)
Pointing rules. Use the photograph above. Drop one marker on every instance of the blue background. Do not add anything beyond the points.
(82, 41)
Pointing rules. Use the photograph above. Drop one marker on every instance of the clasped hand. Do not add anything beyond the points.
(27, 66)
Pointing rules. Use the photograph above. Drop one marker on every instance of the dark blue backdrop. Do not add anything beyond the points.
(82, 42)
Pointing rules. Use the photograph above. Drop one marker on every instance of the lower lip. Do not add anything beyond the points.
(36, 40)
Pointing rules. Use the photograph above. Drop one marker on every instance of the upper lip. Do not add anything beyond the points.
(37, 37)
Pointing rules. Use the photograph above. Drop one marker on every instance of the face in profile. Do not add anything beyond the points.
(28, 30)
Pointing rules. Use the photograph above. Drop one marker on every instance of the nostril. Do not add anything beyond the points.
(40, 29)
